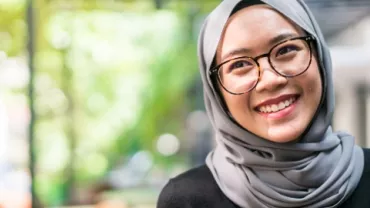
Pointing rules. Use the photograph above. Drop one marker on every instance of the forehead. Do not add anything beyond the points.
(253, 26)
(261, 15)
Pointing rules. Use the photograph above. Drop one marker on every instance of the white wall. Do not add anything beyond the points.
(351, 66)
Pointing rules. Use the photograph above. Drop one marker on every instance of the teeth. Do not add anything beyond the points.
(268, 109)
(282, 105)
(263, 109)
(287, 102)
(276, 107)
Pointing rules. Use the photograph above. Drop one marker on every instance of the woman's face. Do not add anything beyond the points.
(253, 30)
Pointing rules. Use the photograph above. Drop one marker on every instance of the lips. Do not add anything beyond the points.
(276, 104)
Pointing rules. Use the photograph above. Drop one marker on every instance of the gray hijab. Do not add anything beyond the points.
(322, 169)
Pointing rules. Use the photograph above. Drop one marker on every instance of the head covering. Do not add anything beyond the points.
(322, 169)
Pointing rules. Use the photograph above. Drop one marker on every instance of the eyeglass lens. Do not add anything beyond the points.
(288, 59)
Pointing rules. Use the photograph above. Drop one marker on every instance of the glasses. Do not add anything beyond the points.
(289, 58)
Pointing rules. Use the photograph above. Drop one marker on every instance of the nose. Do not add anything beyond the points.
(269, 79)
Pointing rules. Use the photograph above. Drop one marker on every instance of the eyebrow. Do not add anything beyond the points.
(273, 41)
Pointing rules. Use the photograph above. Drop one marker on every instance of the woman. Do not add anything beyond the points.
(267, 80)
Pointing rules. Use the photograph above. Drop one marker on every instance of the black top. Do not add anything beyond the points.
(197, 188)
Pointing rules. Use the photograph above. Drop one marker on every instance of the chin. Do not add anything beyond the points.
(282, 140)
(283, 137)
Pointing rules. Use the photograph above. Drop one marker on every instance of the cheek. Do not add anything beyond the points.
(312, 85)
(238, 105)
(316, 79)
(233, 102)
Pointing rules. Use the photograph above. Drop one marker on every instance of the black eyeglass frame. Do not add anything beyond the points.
(309, 39)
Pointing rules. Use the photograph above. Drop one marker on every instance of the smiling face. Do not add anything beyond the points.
(278, 109)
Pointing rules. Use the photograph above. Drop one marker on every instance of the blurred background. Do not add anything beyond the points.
(101, 101)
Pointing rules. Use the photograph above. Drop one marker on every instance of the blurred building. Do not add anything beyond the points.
(346, 26)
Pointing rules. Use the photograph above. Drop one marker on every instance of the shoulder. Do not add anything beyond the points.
(365, 178)
(366, 154)
(185, 188)
(359, 197)
(366, 171)
(194, 188)
(198, 176)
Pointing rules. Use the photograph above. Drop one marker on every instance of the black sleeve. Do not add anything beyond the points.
(171, 197)
(195, 188)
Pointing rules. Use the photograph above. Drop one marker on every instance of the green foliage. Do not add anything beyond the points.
(12, 27)
(164, 103)
(107, 83)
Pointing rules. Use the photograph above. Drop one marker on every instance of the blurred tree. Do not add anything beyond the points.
(12, 27)
(110, 78)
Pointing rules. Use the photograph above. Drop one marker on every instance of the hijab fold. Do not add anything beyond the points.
(322, 169)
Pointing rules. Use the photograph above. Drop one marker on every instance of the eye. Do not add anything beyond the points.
(240, 64)
(286, 50)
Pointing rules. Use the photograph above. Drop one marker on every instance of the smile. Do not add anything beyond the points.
(277, 107)
(277, 104)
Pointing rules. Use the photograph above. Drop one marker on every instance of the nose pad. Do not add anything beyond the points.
(263, 63)
(265, 66)
(269, 79)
